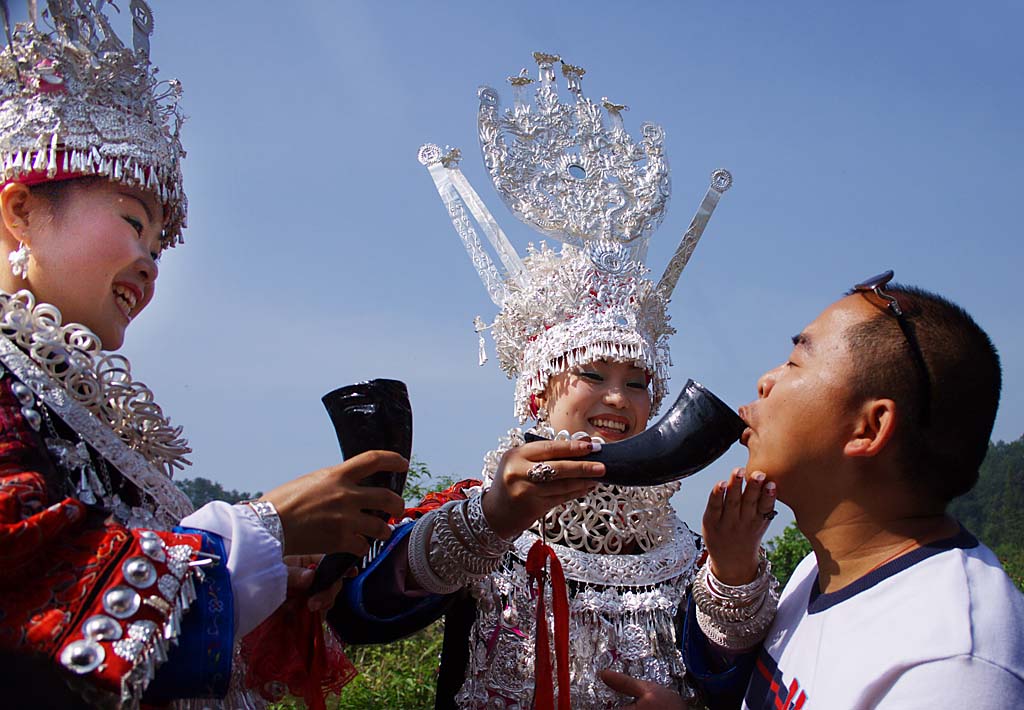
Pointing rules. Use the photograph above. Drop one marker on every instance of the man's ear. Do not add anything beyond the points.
(874, 428)
(16, 209)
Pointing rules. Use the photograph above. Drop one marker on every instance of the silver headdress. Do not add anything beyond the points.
(573, 173)
(74, 100)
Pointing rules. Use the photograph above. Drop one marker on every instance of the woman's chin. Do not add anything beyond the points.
(111, 336)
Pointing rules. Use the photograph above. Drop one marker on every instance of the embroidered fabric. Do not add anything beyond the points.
(65, 369)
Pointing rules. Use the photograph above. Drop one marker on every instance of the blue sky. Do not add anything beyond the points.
(862, 136)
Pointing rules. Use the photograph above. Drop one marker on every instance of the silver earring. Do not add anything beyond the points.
(19, 261)
(542, 416)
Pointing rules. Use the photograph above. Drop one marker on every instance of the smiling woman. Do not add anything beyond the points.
(606, 399)
(91, 245)
(584, 333)
(114, 590)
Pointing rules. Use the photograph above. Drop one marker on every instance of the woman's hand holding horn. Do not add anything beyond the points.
(534, 478)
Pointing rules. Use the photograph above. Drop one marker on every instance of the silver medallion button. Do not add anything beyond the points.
(82, 656)
(121, 602)
(139, 572)
(32, 417)
(23, 393)
(102, 628)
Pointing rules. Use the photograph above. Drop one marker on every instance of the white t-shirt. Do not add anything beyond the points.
(940, 627)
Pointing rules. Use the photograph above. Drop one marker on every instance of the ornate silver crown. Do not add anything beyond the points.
(563, 170)
(573, 173)
(74, 100)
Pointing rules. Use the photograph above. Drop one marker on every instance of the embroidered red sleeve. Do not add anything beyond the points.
(29, 519)
(62, 567)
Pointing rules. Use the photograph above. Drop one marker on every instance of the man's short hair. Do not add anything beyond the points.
(941, 452)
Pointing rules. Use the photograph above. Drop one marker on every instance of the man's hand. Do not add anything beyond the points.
(301, 569)
(734, 522)
(328, 510)
(514, 502)
(649, 696)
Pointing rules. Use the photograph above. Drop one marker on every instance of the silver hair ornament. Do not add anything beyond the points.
(75, 99)
(573, 173)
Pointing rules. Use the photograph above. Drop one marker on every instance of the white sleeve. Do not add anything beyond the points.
(957, 682)
(259, 578)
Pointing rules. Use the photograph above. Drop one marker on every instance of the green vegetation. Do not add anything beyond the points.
(400, 675)
(420, 482)
(994, 509)
(202, 490)
(785, 552)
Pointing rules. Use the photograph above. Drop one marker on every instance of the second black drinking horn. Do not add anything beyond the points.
(697, 429)
(367, 416)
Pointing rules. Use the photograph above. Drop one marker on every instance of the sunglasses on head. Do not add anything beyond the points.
(876, 285)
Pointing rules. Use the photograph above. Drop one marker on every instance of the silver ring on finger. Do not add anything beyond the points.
(540, 473)
(770, 515)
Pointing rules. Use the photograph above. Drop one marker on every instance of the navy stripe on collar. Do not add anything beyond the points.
(819, 602)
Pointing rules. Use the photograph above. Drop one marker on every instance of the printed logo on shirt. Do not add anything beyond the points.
(769, 691)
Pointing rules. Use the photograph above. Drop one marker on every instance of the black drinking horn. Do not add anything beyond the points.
(367, 416)
(694, 432)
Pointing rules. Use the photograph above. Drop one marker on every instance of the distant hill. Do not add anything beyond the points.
(202, 490)
(994, 509)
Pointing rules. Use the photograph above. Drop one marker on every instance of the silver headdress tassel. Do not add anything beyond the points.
(571, 172)
(75, 101)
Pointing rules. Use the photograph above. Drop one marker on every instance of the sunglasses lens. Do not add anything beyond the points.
(875, 281)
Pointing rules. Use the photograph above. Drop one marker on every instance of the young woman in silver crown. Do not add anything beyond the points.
(113, 590)
(628, 560)
(464, 552)
(584, 333)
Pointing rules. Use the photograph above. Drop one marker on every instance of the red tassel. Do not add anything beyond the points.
(290, 651)
(544, 690)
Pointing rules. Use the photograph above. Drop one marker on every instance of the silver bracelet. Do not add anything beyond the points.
(728, 602)
(455, 554)
(469, 531)
(739, 636)
(735, 617)
(725, 613)
(454, 559)
(266, 513)
(417, 554)
(743, 594)
(491, 543)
